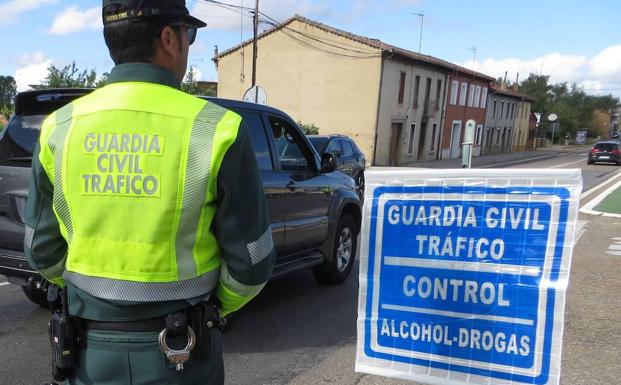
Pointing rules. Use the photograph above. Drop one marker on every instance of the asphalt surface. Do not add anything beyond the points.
(299, 332)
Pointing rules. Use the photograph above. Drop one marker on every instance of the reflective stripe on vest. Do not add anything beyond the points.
(134, 167)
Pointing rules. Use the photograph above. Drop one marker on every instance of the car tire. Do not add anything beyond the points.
(590, 161)
(336, 270)
(36, 295)
(360, 185)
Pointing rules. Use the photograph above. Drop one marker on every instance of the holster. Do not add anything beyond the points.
(63, 340)
(205, 319)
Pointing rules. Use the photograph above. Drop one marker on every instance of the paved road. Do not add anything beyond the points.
(298, 332)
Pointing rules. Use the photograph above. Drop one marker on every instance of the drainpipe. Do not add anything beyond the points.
(379, 104)
(442, 117)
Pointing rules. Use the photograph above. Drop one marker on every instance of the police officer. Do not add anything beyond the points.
(145, 202)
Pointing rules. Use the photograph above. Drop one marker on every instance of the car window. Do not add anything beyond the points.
(335, 147)
(347, 147)
(18, 140)
(609, 147)
(288, 146)
(319, 143)
(253, 121)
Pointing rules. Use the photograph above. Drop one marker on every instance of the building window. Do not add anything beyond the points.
(401, 87)
(478, 137)
(433, 137)
(508, 107)
(412, 132)
(454, 90)
(463, 93)
(494, 109)
(477, 96)
(484, 98)
(502, 109)
(416, 90)
(471, 91)
(438, 93)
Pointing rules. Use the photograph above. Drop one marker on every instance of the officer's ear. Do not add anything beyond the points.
(171, 41)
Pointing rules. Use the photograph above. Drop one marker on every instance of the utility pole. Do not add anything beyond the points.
(422, 19)
(474, 63)
(254, 43)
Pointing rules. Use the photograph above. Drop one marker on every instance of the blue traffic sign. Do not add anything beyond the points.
(462, 281)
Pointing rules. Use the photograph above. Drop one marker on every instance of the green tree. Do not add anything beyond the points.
(190, 84)
(69, 76)
(309, 129)
(8, 90)
(572, 105)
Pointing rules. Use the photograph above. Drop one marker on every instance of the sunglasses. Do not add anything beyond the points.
(192, 31)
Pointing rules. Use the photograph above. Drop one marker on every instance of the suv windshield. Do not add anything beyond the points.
(18, 140)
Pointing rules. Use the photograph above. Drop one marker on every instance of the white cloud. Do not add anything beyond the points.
(11, 10)
(599, 74)
(33, 70)
(221, 18)
(73, 20)
(608, 63)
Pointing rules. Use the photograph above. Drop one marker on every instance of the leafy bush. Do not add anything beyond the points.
(309, 129)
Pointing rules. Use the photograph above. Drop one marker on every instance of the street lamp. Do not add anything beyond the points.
(422, 19)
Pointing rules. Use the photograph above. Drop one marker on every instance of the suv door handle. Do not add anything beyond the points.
(292, 186)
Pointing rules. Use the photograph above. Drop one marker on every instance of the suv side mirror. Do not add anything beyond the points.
(328, 163)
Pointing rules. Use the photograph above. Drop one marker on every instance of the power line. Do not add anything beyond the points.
(247, 11)
(355, 53)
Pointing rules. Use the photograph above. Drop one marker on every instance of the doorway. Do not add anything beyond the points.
(422, 140)
(455, 139)
(395, 144)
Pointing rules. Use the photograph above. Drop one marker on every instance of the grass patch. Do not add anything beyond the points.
(612, 203)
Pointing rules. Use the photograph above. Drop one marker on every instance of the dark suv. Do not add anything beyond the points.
(608, 152)
(349, 158)
(314, 210)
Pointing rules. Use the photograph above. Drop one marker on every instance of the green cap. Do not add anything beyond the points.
(148, 10)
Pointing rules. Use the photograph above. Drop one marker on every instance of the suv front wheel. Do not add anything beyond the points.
(338, 268)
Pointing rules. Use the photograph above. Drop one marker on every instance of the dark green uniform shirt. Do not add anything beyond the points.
(240, 193)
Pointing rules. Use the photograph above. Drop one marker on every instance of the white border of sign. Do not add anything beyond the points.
(568, 179)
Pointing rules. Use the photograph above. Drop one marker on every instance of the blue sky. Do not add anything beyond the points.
(571, 40)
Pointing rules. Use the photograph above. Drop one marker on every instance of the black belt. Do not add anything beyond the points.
(156, 324)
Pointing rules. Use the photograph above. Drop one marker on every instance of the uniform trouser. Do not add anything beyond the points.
(119, 358)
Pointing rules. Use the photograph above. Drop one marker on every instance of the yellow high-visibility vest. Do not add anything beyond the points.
(134, 168)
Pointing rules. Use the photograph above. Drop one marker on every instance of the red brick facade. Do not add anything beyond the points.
(473, 108)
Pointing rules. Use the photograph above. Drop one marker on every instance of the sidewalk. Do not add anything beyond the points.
(487, 161)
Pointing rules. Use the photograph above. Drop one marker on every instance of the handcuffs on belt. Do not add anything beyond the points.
(177, 323)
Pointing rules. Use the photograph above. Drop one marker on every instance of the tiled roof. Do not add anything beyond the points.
(373, 43)
(497, 89)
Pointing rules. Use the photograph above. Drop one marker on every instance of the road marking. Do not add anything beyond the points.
(599, 186)
(525, 160)
(4, 283)
(615, 248)
(567, 164)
